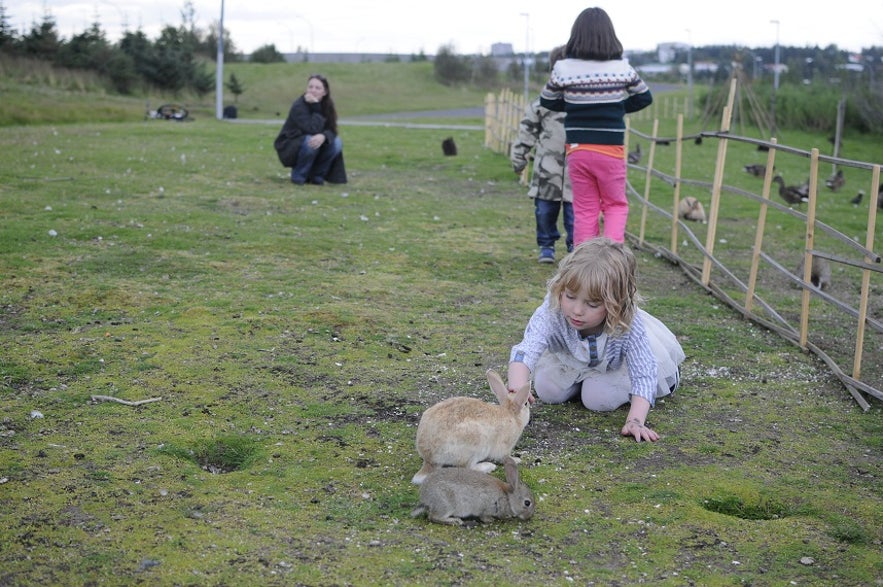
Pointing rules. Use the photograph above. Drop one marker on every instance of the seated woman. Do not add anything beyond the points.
(308, 141)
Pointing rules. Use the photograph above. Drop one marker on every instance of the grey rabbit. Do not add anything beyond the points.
(449, 494)
(820, 272)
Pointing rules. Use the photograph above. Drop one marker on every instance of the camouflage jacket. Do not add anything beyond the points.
(542, 131)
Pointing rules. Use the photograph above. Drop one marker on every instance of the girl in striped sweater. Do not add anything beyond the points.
(596, 88)
(590, 340)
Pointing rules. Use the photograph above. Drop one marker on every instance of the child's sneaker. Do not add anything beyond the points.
(547, 255)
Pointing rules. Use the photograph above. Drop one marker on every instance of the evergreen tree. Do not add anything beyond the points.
(267, 54)
(450, 68)
(235, 87)
(42, 41)
(87, 50)
(211, 44)
(7, 35)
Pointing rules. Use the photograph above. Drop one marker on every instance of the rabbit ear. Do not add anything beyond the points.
(520, 397)
(511, 470)
(497, 386)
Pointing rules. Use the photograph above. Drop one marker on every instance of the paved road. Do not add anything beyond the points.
(390, 119)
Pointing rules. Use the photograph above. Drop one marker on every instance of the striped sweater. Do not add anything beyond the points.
(548, 329)
(596, 96)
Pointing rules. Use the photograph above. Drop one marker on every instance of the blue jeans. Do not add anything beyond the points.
(313, 164)
(546, 212)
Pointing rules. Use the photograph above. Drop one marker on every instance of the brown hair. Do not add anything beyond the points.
(327, 104)
(604, 271)
(557, 54)
(593, 37)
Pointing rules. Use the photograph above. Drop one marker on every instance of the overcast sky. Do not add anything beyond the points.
(472, 26)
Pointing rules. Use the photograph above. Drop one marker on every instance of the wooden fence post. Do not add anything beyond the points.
(866, 274)
(717, 185)
(676, 198)
(761, 226)
(810, 240)
(648, 178)
(489, 120)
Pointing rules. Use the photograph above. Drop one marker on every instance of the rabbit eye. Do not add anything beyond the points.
(527, 503)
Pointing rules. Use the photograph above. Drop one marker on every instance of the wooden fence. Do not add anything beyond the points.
(503, 112)
(747, 273)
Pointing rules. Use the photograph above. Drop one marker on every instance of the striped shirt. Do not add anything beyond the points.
(596, 96)
(548, 329)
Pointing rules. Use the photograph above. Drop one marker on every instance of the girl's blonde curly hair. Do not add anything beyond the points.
(602, 270)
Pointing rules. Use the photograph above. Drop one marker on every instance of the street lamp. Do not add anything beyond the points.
(775, 80)
(776, 71)
(690, 73)
(310, 24)
(219, 72)
(526, 58)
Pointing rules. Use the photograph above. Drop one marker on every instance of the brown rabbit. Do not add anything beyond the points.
(691, 209)
(469, 432)
(450, 494)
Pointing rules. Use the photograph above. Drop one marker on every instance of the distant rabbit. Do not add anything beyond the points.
(469, 432)
(820, 272)
(450, 494)
(449, 147)
(691, 209)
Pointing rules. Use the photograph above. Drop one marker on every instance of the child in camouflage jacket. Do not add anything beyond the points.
(542, 131)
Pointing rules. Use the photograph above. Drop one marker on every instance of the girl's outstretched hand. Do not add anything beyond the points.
(635, 428)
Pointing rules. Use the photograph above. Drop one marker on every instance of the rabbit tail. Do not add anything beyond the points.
(420, 475)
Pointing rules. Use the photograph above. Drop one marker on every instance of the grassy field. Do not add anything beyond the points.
(35, 93)
(291, 338)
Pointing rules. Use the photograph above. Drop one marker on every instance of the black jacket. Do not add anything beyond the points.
(306, 119)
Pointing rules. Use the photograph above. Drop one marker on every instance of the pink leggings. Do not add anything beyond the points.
(598, 188)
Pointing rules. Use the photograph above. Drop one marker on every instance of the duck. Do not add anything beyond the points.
(635, 156)
(803, 189)
(836, 181)
(792, 194)
(756, 169)
(861, 194)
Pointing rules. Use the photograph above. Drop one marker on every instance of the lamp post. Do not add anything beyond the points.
(290, 37)
(309, 24)
(526, 58)
(219, 75)
(776, 71)
(775, 79)
(690, 74)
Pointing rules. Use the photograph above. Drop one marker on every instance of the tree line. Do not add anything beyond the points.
(181, 59)
(176, 61)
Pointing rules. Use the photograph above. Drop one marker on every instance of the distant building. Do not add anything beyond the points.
(502, 50)
(305, 57)
(699, 67)
(653, 69)
(666, 52)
